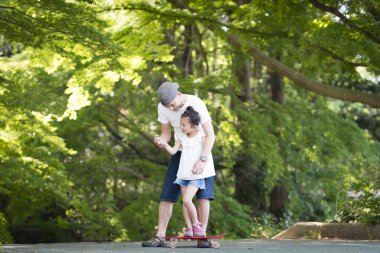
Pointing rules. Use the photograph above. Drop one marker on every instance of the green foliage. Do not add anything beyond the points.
(321, 151)
(257, 125)
(229, 215)
(140, 217)
(361, 203)
(33, 176)
(93, 214)
(94, 218)
(68, 28)
(5, 236)
(266, 226)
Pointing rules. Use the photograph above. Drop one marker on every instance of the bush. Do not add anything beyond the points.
(266, 226)
(227, 215)
(5, 236)
(359, 200)
(362, 203)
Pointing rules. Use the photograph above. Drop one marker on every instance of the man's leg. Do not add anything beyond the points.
(164, 213)
(170, 193)
(203, 212)
(204, 197)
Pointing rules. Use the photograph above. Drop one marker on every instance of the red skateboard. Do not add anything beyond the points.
(174, 239)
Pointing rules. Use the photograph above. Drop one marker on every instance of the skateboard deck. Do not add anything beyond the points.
(174, 239)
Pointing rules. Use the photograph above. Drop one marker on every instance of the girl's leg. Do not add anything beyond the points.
(184, 209)
(187, 199)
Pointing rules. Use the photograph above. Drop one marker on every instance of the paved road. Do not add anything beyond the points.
(235, 246)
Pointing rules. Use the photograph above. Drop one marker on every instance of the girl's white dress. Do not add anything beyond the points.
(191, 151)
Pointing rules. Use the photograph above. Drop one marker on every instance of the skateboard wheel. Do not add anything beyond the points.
(172, 244)
(215, 244)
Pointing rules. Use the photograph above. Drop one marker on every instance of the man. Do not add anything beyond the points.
(172, 104)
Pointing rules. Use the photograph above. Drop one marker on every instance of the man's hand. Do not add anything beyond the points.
(198, 167)
(159, 141)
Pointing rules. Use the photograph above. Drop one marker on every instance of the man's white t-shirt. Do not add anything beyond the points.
(165, 115)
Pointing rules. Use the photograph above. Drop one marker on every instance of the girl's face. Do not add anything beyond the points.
(186, 125)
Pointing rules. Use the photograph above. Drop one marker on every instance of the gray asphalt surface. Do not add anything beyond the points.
(257, 246)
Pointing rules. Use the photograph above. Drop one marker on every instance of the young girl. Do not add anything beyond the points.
(191, 142)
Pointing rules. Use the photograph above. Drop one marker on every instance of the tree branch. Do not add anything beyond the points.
(137, 175)
(132, 125)
(186, 16)
(344, 20)
(120, 141)
(337, 57)
(304, 82)
(298, 79)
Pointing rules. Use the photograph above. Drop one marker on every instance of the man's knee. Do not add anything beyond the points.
(166, 204)
(203, 202)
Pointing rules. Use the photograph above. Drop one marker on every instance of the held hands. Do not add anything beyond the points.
(161, 143)
(198, 167)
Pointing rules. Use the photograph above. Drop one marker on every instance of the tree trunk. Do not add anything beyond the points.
(201, 54)
(249, 189)
(278, 199)
(279, 194)
(276, 87)
(241, 69)
(177, 61)
(187, 59)
(248, 177)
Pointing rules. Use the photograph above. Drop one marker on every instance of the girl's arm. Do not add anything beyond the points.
(174, 149)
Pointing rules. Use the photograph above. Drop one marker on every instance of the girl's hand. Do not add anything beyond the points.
(159, 141)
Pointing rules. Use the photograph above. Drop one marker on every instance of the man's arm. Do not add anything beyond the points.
(207, 147)
(210, 138)
(165, 137)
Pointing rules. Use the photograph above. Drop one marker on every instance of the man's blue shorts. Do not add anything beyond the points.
(171, 191)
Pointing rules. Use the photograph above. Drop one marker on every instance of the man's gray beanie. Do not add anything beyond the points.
(167, 92)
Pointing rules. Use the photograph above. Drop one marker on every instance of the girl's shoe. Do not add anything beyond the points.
(189, 232)
(198, 230)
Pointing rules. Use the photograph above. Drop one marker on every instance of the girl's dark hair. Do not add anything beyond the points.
(193, 115)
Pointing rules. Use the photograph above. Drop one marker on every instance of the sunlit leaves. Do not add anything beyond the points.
(60, 22)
